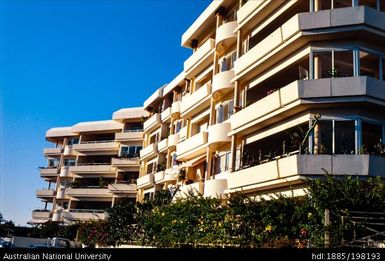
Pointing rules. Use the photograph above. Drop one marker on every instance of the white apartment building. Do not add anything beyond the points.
(92, 166)
(274, 92)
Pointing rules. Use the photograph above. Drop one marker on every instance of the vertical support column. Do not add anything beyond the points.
(233, 148)
(233, 152)
(333, 137)
(356, 62)
(209, 152)
(358, 135)
(317, 67)
(317, 139)
(311, 138)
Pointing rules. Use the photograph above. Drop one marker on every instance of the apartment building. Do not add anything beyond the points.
(91, 167)
(273, 93)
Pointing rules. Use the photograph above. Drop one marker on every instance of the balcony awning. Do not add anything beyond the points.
(130, 113)
(59, 132)
(95, 126)
(193, 162)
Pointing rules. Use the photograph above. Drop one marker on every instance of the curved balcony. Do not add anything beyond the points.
(186, 190)
(218, 134)
(69, 151)
(173, 140)
(145, 181)
(225, 36)
(214, 188)
(222, 84)
(57, 216)
(65, 173)
(61, 193)
(175, 110)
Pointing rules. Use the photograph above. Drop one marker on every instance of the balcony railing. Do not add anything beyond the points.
(53, 151)
(129, 135)
(192, 147)
(152, 122)
(196, 101)
(125, 188)
(88, 191)
(120, 162)
(145, 181)
(101, 168)
(281, 169)
(48, 172)
(166, 114)
(149, 151)
(346, 87)
(95, 146)
(43, 193)
(84, 214)
(200, 57)
(186, 190)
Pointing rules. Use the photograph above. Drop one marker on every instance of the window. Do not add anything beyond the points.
(227, 62)
(133, 127)
(69, 162)
(178, 126)
(152, 167)
(72, 141)
(345, 137)
(174, 161)
(224, 111)
(371, 137)
(323, 132)
(130, 151)
(53, 163)
(340, 63)
(222, 162)
(332, 63)
(369, 64)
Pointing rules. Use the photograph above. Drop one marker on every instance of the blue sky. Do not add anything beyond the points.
(53, 54)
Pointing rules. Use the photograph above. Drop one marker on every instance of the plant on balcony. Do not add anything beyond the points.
(160, 167)
(334, 71)
(75, 184)
(271, 91)
(102, 183)
(379, 149)
(181, 175)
